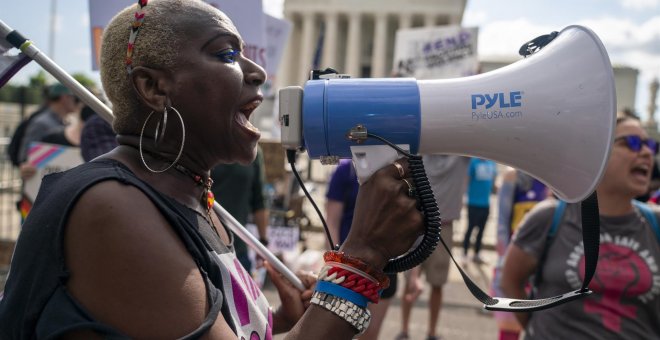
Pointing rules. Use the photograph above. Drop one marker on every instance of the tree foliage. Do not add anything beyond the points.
(33, 92)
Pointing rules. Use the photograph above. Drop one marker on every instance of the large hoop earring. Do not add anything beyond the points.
(157, 138)
(183, 141)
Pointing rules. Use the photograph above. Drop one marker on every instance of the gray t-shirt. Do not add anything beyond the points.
(447, 175)
(625, 303)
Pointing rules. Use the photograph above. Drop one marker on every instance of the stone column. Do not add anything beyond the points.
(653, 95)
(429, 20)
(405, 20)
(330, 41)
(379, 56)
(354, 50)
(288, 74)
(307, 48)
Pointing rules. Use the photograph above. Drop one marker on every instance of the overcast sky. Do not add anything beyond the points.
(630, 30)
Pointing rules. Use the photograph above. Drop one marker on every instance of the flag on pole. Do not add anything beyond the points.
(10, 63)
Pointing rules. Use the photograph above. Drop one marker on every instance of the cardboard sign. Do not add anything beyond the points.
(280, 239)
(277, 34)
(48, 159)
(436, 52)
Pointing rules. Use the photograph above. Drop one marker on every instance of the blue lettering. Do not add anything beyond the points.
(477, 100)
(491, 100)
(503, 103)
(464, 36)
(451, 41)
(515, 96)
(427, 48)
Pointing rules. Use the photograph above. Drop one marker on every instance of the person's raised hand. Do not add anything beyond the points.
(386, 221)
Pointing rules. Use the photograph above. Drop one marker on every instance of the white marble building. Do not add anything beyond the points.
(358, 35)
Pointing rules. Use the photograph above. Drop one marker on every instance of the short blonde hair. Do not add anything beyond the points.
(157, 45)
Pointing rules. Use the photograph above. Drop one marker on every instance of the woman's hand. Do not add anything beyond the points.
(386, 221)
(294, 302)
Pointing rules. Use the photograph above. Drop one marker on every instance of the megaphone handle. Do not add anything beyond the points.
(429, 207)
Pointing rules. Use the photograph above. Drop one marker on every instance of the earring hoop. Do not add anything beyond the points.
(158, 138)
(183, 141)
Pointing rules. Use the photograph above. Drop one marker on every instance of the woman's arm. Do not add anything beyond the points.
(518, 267)
(505, 206)
(385, 225)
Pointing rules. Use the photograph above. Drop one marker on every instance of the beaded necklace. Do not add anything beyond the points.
(207, 196)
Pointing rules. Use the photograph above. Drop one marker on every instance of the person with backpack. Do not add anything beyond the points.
(626, 286)
(48, 120)
(60, 102)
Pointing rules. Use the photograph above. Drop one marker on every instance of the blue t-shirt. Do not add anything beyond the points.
(481, 177)
(343, 187)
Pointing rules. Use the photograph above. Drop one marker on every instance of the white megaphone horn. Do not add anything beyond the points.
(551, 115)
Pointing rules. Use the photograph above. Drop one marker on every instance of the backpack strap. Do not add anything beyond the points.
(557, 217)
(649, 216)
(556, 220)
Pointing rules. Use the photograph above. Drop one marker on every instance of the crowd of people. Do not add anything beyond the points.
(127, 245)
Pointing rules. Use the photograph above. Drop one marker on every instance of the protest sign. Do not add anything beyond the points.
(436, 52)
(280, 238)
(277, 34)
(49, 158)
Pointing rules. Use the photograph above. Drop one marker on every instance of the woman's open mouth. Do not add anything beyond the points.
(243, 116)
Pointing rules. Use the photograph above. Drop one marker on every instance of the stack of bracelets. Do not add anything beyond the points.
(345, 285)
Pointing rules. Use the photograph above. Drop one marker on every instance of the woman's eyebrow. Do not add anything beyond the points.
(233, 36)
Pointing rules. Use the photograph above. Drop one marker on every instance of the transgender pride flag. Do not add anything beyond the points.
(10, 63)
(41, 154)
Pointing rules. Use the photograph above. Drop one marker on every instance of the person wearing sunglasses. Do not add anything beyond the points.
(635, 143)
(626, 286)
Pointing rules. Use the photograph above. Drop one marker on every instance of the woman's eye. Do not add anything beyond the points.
(228, 55)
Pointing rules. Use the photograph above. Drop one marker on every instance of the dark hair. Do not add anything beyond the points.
(623, 118)
(86, 113)
(626, 111)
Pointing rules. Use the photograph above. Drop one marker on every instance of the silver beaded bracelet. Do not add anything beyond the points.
(357, 316)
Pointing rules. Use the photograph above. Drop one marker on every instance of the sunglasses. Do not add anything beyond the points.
(635, 143)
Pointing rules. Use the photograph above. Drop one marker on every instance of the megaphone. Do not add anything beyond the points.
(551, 115)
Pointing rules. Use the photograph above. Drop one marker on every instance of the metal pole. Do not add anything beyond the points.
(253, 242)
(104, 111)
(53, 24)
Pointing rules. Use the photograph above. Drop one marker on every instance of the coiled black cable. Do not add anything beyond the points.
(429, 208)
(426, 204)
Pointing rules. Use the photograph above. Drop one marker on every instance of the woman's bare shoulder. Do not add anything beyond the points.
(128, 267)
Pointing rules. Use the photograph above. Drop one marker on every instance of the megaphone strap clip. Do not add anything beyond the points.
(515, 305)
(358, 134)
(536, 44)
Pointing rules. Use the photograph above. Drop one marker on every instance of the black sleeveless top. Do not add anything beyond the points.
(36, 304)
